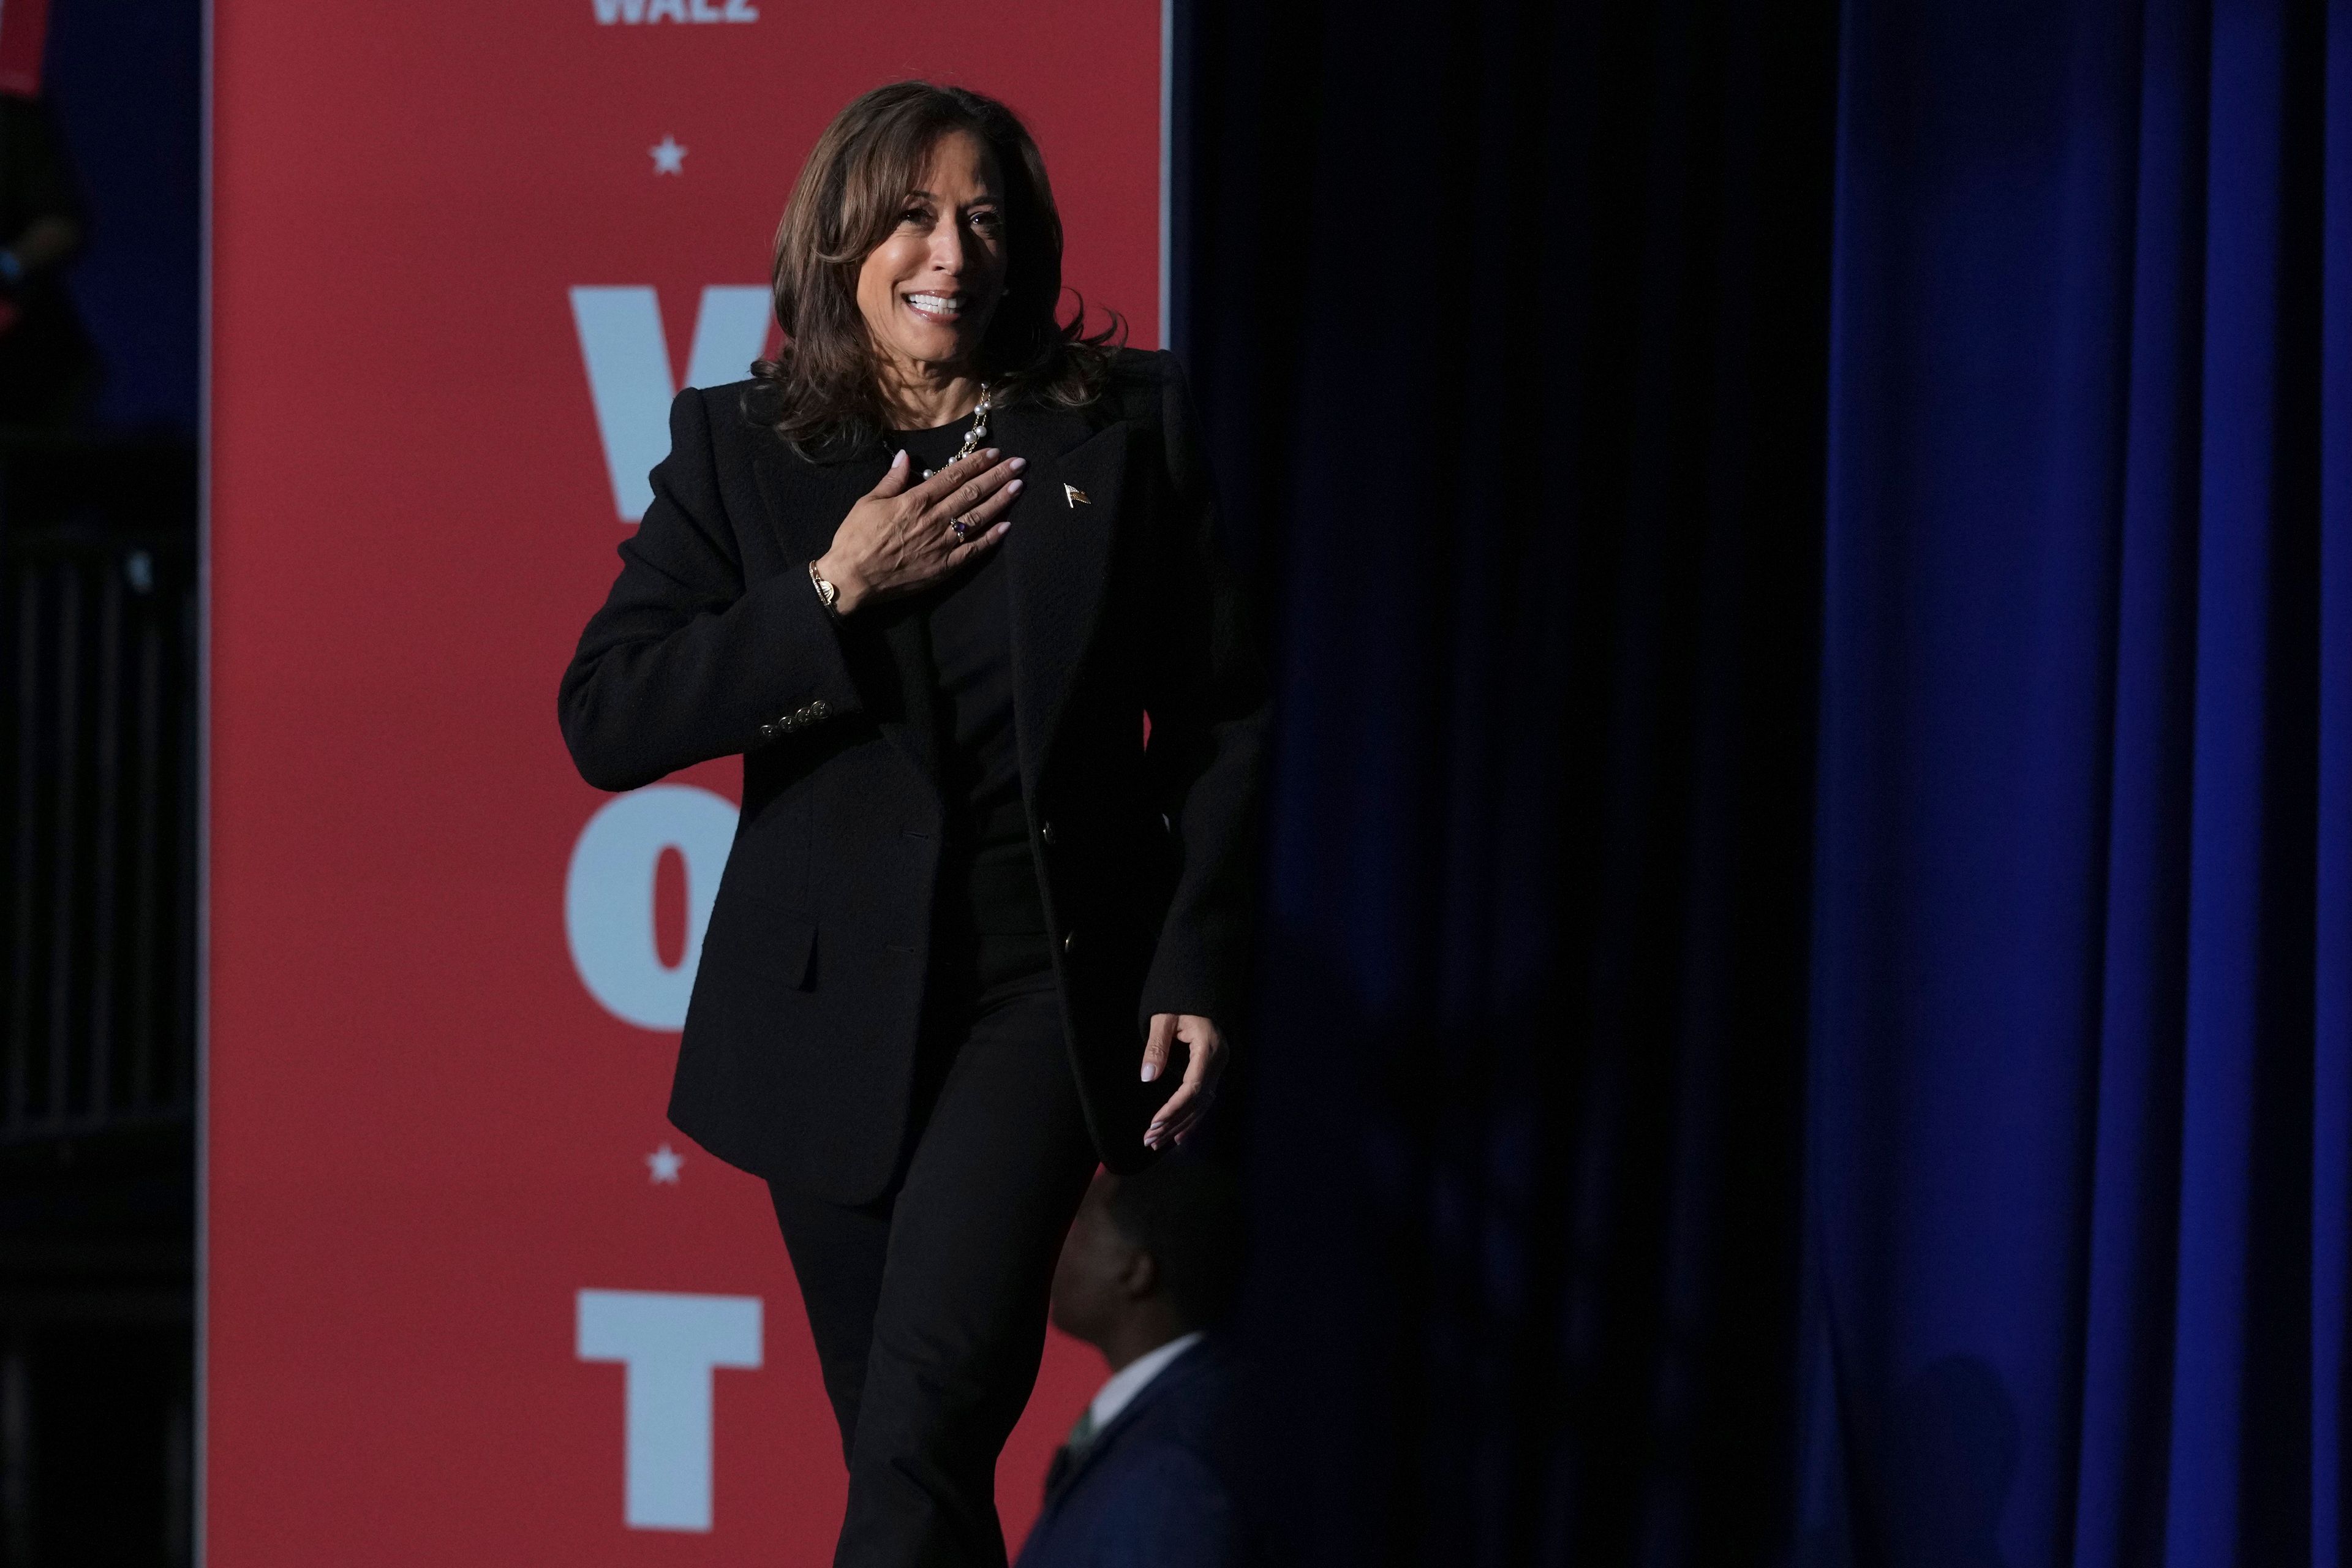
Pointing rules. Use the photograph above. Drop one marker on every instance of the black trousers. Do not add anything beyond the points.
(929, 1306)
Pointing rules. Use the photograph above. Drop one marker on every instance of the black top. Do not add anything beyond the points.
(989, 908)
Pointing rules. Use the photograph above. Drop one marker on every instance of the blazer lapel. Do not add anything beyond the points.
(889, 656)
(1191, 1364)
(1058, 554)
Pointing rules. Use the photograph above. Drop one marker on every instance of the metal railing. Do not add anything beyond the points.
(98, 788)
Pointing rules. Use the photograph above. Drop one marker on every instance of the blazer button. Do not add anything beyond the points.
(818, 708)
(1066, 940)
(1046, 832)
(767, 731)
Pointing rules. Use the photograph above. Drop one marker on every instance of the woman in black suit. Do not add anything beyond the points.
(946, 572)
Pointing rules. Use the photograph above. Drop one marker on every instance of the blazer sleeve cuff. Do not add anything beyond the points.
(1185, 977)
(805, 680)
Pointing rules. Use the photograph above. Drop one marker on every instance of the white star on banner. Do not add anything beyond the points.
(669, 158)
(665, 1163)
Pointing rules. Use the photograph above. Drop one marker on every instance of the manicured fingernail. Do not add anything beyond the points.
(1014, 489)
(898, 458)
(1150, 1071)
(991, 454)
(1017, 464)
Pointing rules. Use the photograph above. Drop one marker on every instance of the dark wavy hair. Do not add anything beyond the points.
(823, 387)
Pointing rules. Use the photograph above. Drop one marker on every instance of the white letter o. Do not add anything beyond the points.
(608, 898)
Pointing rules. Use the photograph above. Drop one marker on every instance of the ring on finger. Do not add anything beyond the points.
(962, 528)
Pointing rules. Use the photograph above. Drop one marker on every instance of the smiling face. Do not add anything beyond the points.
(928, 290)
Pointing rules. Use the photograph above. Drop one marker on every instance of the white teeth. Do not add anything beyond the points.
(938, 304)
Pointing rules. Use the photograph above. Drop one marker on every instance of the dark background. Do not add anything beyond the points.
(1510, 326)
(98, 726)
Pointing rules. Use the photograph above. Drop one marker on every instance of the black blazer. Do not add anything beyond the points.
(799, 1048)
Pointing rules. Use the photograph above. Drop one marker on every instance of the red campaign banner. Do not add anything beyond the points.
(467, 1297)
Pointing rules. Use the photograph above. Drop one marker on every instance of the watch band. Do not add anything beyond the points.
(826, 594)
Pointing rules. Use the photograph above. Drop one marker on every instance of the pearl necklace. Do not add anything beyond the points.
(973, 438)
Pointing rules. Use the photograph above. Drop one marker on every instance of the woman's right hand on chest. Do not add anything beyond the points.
(901, 535)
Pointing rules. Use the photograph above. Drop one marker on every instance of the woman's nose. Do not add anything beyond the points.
(947, 248)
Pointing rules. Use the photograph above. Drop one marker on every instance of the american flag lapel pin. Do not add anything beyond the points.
(1077, 497)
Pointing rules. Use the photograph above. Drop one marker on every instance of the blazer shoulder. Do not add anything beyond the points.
(1185, 1402)
(725, 416)
(1141, 382)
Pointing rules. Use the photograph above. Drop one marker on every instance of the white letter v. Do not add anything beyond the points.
(629, 372)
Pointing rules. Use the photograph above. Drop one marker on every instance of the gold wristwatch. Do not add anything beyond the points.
(826, 594)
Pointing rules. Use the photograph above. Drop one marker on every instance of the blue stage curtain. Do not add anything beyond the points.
(2081, 1083)
(1508, 321)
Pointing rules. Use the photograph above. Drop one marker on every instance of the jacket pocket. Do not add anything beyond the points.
(753, 941)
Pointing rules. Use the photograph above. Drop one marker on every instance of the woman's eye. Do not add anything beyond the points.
(915, 216)
(987, 220)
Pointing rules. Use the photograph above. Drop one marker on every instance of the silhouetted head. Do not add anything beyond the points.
(1151, 1256)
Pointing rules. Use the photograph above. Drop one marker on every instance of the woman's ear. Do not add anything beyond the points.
(1140, 1276)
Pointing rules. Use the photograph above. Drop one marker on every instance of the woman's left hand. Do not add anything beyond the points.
(1204, 1063)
